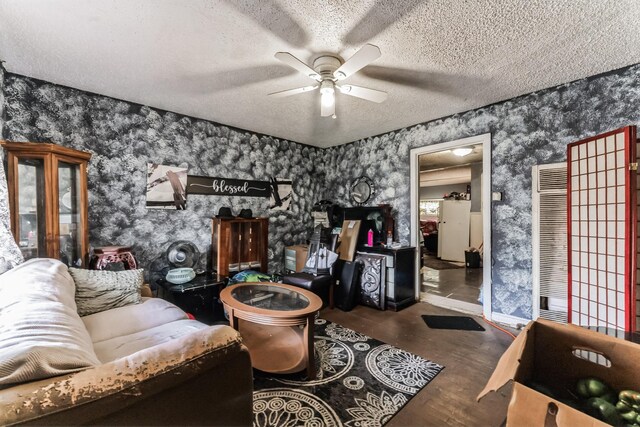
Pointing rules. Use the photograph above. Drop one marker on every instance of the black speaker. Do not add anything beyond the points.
(348, 279)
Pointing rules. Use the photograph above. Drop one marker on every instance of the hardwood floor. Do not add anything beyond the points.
(469, 358)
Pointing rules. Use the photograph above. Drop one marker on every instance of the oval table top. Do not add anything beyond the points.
(274, 300)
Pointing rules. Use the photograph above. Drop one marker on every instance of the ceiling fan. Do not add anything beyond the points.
(327, 71)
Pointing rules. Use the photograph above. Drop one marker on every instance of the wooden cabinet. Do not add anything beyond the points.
(239, 244)
(400, 275)
(48, 200)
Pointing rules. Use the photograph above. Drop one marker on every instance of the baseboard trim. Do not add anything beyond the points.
(507, 319)
(451, 304)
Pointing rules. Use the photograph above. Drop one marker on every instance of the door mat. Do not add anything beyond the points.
(462, 323)
(360, 382)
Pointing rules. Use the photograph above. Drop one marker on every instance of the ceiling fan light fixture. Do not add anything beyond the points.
(461, 152)
(327, 70)
(327, 92)
(327, 99)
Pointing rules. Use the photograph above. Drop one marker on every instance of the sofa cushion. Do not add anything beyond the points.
(127, 320)
(127, 345)
(41, 334)
(100, 290)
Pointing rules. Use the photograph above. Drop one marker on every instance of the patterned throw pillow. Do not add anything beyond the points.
(99, 290)
(10, 255)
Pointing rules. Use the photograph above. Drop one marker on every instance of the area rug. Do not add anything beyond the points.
(462, 323)
(360, 382)
(438, 264)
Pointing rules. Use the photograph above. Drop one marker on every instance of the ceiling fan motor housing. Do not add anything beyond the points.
(325, 66)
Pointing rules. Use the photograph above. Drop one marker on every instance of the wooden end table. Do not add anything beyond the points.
(276, 323)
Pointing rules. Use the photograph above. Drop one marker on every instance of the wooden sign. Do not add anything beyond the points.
(227, 186)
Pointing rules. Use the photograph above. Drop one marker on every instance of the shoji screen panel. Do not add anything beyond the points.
(602, 230)
(637, 248)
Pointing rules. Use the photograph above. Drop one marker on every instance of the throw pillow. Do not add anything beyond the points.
(41, 334)
(100, 290)
(11, 255)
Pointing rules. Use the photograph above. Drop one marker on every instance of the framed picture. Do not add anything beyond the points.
(166, 187)
(281, 194)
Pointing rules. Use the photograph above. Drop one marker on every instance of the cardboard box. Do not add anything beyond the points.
(295, 257)
(557, 356)
(348, 239)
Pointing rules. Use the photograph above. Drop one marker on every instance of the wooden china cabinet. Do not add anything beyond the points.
(48, 200)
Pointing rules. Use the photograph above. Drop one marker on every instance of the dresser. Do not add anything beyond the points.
(400, 274)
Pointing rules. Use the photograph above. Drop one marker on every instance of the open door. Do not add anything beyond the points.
(602, 230)
(453, 229)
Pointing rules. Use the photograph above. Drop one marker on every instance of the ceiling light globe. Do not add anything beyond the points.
(327, 98)
(461, 152)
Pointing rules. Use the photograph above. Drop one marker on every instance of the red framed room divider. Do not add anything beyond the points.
(602, 228)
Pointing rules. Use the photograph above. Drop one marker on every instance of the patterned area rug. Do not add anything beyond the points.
(361, 382)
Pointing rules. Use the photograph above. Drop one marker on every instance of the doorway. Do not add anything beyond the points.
(451, 223)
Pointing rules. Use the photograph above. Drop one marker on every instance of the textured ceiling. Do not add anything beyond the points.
(214, 59)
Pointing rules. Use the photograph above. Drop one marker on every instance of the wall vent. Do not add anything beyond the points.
(553, 178)
(549, 229)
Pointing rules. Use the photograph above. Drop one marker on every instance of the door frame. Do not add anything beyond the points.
(414, 154)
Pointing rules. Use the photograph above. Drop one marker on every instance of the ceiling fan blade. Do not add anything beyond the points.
(295, 63)
(363, 92)
(366, 55)
(289, 92)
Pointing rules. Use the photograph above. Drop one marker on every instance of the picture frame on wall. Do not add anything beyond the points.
(281, 194)
(166, 187)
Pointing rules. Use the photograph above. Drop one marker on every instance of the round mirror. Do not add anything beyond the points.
(361, 190)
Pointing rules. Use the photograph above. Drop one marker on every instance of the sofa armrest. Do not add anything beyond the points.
(202, 378)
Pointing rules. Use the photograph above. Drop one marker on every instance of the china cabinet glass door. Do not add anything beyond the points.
(31, 222)
(70, 221)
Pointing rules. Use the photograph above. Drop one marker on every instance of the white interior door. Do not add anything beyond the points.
(454, 229)
(439, 254)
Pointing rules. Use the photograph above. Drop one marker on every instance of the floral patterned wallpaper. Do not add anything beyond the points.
(528, 130)
(123, 137)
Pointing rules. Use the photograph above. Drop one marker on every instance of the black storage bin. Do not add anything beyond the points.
(472, 259)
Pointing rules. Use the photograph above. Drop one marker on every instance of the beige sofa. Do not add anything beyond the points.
(152, 366)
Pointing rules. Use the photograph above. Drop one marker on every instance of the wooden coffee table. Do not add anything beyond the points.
(276, 323)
